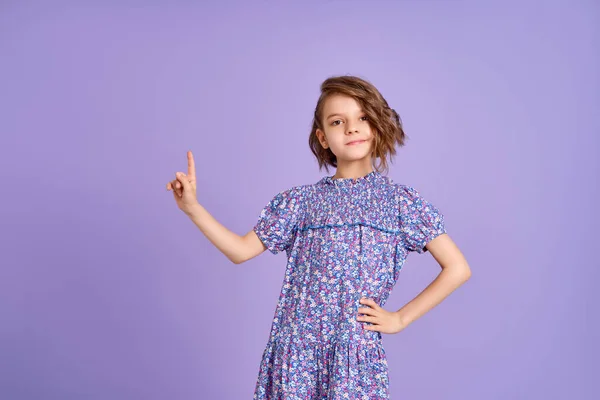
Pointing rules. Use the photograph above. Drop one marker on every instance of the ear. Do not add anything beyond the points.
(322, 139)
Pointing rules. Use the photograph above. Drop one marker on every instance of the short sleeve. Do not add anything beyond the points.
(278, 221)
(420, 221)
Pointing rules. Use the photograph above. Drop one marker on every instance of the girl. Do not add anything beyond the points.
(346, 238)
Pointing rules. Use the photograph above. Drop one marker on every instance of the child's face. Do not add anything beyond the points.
(344, 122)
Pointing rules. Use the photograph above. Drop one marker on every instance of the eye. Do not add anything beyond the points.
(365, 117)
(334, 122)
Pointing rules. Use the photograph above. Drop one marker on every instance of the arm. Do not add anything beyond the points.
(455, 272)
(235, 247)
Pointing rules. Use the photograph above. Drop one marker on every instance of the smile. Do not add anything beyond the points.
(356, 142)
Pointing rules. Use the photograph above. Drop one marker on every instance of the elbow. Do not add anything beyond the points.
(466, 272)
(238, 255)
(467, 276)
(460, 271)
(236, 261)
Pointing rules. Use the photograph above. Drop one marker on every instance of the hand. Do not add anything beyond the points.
(383, 321)
(184, 187)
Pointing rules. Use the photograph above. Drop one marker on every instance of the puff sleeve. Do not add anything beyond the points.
(278, 221)
(420, 221)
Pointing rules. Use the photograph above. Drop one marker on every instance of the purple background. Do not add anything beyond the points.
(109, 292)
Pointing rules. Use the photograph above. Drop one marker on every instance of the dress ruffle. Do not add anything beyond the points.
(358, 370)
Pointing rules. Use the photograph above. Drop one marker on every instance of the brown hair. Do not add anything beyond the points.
(385, 121)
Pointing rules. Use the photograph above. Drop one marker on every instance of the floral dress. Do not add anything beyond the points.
(345, 239)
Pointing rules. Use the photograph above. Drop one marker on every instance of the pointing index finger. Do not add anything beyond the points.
(191, 164)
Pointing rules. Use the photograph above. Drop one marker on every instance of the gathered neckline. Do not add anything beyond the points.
(371, 177)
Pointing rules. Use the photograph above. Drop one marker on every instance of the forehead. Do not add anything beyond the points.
(340, 104)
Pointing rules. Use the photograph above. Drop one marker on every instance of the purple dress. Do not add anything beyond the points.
(344, 239)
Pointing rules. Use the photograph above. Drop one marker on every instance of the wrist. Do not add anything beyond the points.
(192, 210)
(403, 320)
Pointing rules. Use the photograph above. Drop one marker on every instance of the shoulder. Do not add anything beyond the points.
(405, 193)
(294, 197)
(410, 200)
(297, 192)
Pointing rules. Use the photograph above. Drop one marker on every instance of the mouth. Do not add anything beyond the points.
(355, 142)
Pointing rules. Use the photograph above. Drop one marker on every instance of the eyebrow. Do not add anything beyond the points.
(339, 114)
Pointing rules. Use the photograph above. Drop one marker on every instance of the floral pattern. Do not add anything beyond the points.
(344, 239)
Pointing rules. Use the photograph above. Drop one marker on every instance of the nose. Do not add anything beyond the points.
(352, 129)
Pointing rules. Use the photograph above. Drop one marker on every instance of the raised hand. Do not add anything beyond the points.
(184, 187)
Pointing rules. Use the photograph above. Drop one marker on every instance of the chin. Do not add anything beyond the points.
(354, 157)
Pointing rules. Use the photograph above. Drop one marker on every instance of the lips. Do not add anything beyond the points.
(355, 142)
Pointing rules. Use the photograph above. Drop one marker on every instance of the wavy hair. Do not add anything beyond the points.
(384, 121)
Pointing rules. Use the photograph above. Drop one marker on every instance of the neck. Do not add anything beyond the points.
(353, 169)
(351, 173)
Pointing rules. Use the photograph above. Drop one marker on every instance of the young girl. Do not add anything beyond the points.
(346, 238)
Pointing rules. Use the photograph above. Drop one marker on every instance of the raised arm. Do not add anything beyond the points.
(235, 247)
